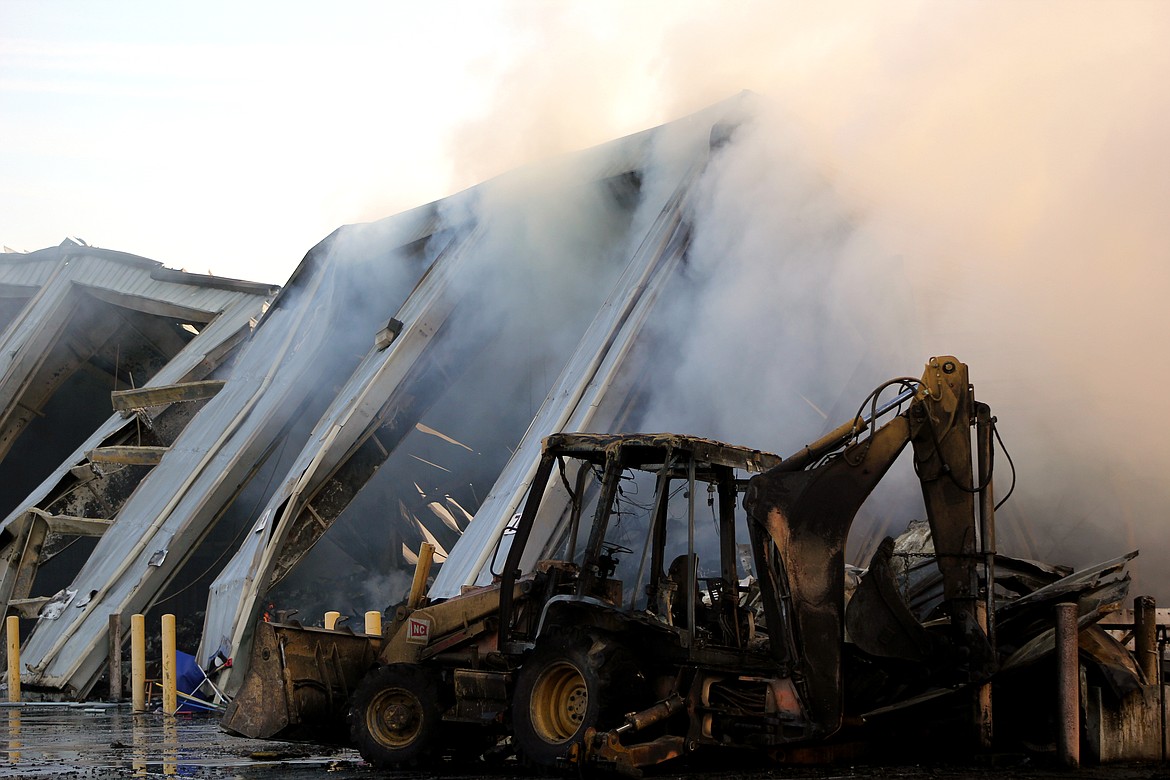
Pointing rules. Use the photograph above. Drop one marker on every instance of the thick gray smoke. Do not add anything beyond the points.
(987, 180)
(528, 259)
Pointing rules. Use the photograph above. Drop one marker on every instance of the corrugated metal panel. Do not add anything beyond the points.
(25, 341)
(220, 330)
(29, 273)
(187, 491)
(235, 591)
(231, 427)
(127, 274)
(119, 277)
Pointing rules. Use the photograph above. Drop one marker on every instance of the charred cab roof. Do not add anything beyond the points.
(648, 451)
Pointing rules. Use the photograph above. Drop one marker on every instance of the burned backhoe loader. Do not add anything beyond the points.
(661, 618)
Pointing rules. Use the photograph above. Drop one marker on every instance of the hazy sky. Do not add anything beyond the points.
(231, 136)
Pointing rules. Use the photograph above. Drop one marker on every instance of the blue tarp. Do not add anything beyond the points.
(188, 678)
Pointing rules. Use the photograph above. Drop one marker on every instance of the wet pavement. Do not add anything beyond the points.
(104, 740)
(97, 740)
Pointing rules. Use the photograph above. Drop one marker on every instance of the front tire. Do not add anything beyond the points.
(395, 716)
(572, 682)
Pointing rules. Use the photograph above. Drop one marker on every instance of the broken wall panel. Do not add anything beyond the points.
(281, 379)
(97, 320)
(457, 421)
(77, 489)
(353, 421)
(80, 377)
(346, 419)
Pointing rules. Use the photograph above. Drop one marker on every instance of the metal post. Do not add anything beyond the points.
(985, 612)
(984, 725)
(138, 662)
(1068, 675)
(1162, 684)
(170, 692)
(115, 654)
(1145, 636)
(331, 619)
(374, 623)
(1162, 690)
(692, 559)
(984, 426)
(12, 624)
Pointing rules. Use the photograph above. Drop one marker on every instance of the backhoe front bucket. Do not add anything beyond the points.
(299, 681)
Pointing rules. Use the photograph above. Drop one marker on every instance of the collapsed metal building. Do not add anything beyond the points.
(396, 386)
(84, 326)
(395, 391)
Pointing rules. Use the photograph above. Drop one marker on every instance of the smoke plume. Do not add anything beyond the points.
(987, 180)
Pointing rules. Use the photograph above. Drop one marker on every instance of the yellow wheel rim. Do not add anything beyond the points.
(394, 717)
(559, 701)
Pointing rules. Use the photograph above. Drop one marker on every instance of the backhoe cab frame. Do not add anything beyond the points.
(586, 586)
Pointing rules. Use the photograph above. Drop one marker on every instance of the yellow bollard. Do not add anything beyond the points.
(170, 696)
(138, 662)
(13, 626)
(331, 619)
(374, 623)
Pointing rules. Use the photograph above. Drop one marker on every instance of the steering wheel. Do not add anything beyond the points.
(614, 547)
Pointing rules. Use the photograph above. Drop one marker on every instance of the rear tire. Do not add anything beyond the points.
(395, 716)
(572, 682)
